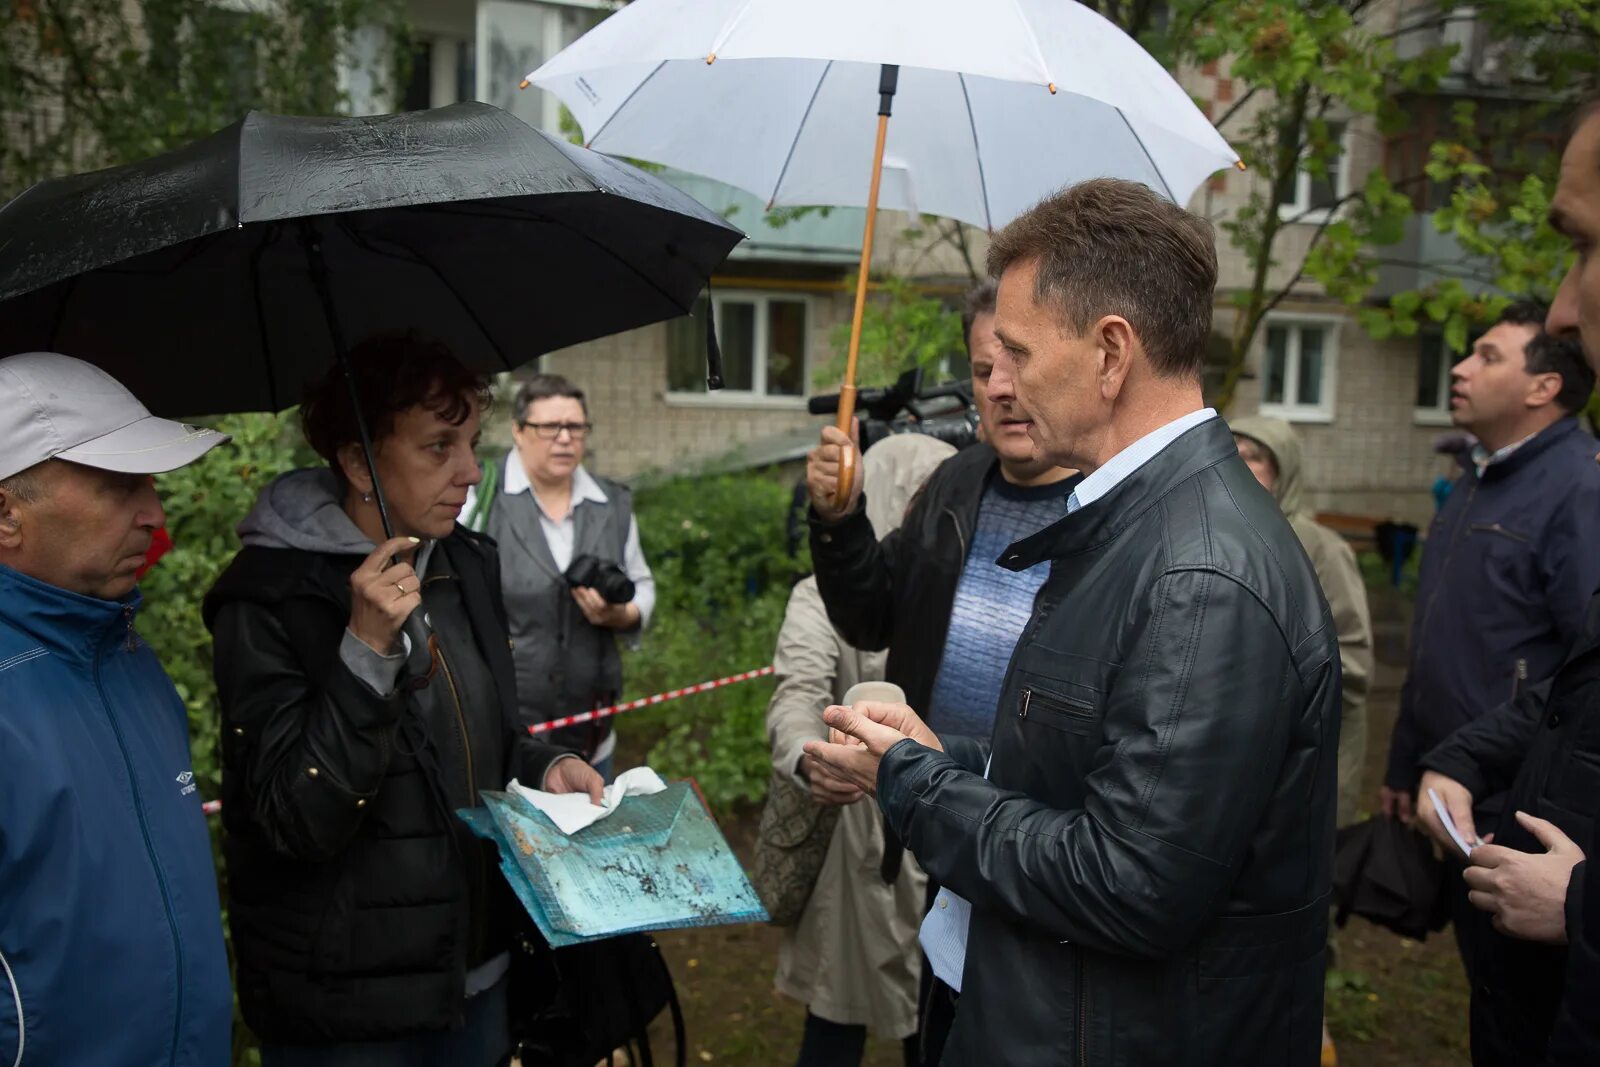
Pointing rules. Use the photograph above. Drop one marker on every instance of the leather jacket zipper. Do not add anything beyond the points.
(475, 935)
(461, 722)
(1083, 1013)
(1518, 676)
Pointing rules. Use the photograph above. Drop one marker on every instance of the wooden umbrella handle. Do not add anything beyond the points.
(849, 465)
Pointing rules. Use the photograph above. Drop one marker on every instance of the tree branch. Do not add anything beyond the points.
(1237, 104)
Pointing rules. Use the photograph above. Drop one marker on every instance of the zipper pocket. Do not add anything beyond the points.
(1518, 676)
(1496, 528)
(1056, 710)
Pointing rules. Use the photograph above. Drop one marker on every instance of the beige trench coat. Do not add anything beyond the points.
(853, 957)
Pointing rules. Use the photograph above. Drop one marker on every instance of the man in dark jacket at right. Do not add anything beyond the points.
(1533, 1000)
(1136, 866)
(1510, 561)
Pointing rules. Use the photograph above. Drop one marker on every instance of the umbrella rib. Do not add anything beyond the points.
(261, 316)
(607, 249)
(977, 154)
(794, 143)
(623, 106)
(1038, 52)
(61, 312)
(420, 260)
(1162, 178)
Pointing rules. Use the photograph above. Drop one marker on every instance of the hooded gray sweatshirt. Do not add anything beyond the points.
(301, 510)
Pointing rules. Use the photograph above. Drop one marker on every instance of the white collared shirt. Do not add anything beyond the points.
(1130, 459)
(561, 535)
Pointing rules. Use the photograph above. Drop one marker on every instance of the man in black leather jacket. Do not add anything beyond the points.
(1145, 843)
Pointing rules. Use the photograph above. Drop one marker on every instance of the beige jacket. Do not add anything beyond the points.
(1346, 593)
(853, 957)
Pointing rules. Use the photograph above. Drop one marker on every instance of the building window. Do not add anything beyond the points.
(765, 341)
(1309, 197)
(1297, 369)
(443, 72)
(1433, 379)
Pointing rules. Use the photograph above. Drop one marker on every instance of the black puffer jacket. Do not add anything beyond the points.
(1149, 860)
(357, 900)
(898, 593)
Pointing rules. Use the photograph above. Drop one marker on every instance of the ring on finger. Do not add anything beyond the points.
(400, 586)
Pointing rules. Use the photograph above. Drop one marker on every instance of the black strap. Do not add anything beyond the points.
(713, 351)
(893, 854)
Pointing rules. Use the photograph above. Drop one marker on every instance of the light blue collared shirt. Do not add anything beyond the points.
(1130, 459)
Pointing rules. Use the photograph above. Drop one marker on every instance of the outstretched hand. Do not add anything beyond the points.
(859, 736)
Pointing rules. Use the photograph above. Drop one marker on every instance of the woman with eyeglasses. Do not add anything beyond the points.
(573, 573)
(370, 926)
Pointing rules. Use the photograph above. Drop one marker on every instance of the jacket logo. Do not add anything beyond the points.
(186, 779)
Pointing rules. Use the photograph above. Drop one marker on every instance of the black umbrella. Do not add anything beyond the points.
(226, 275)
(192, 276)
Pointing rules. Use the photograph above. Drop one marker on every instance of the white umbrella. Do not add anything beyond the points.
(997, 105)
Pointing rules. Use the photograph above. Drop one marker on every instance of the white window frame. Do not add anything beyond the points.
(1438, 415)
(1322, 412)
(1299, 210)
(756, 395)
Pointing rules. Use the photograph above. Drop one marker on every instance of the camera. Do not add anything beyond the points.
(944, 412)
(607, 579)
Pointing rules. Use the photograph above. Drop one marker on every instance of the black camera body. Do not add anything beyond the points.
(607, 579)
(944, 412)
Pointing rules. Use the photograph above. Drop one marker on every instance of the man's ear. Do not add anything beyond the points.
(353, 462)
(1545, 389)
(11, 521)
(1118, 346)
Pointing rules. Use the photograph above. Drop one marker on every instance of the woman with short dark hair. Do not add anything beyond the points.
(369, 925)
(574, 574)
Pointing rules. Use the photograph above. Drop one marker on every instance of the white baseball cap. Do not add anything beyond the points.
(56, 407)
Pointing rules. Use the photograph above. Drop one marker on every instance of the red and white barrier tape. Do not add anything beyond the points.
(643, 702)
(211, 807)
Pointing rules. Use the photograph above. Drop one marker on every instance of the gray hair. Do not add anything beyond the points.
(25, 485)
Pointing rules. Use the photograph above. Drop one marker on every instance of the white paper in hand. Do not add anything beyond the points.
(1450, 824)
(571, 812)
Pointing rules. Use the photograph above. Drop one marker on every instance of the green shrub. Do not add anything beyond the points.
(718, 549)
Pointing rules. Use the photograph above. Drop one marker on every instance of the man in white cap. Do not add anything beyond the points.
(110, 933)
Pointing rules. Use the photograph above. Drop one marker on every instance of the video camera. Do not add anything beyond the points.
(943, 412)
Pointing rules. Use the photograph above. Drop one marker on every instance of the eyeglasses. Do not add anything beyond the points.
(549, 431)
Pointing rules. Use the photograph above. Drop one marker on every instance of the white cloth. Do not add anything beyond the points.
(1130, 459)
(571, 812)
(559, 535)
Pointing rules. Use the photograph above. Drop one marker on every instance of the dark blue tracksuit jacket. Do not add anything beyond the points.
(1510, 563)
(110, 932)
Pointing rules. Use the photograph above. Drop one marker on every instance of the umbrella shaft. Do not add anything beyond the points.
(319, 278)
(847, 391)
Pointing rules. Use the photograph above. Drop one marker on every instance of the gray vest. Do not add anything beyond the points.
(563, 663)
